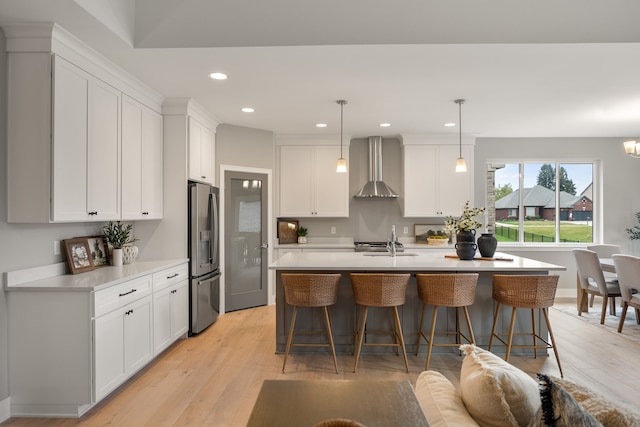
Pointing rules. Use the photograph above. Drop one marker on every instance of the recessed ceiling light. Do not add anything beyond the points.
(248, 110)
(449, 125)
(321, 125)
(218, 76)
(384, 125)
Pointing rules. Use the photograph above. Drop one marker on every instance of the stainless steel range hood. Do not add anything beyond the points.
(375, 187)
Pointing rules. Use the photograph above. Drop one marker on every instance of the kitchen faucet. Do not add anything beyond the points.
(391, 245)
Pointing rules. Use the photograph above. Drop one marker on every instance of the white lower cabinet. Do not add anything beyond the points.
(122, 344)
(170, 307)
(68, 349)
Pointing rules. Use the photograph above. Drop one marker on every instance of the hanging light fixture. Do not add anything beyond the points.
(461, 166)
(632, 148)
(342, 163)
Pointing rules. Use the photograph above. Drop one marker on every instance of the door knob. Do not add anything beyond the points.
(264, 246)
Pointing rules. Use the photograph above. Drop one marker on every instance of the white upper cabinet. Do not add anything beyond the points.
(65, 130)
(309, 183)
(432, 187)
(85, 146)
(201, 152)
(141, 161)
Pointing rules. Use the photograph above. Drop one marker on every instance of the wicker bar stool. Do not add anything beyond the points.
(379, 290)
(310, 290)
(533, 292)
(446, 290)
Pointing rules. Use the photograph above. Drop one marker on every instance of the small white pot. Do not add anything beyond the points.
(129, 254)
(302, 239)
(116, 257)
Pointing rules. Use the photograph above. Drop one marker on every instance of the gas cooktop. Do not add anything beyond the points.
(375, 246)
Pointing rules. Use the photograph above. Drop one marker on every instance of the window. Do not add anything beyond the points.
(529, 207)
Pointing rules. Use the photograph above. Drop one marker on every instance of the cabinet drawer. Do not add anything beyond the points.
(170, 276)
(117, 296)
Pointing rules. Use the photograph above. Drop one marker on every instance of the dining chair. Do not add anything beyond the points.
(592, 282)
(605, 250)
(628, 270)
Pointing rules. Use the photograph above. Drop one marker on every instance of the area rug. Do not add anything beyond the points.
(630, 330)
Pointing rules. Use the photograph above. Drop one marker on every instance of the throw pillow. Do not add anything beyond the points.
(440, 401)
(496, 393)
(608, 413)
(559, 409)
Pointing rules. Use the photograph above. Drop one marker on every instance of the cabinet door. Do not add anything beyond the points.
(103, 153)
(179, 309)
(138, 348)
(420, 180)
(70, 124)
(161, 320)
(141, 161)
(207, 153)
(131, 159)
(296, 181)
(152, 166)
(454, 188)
(110, 369)
(331, 188)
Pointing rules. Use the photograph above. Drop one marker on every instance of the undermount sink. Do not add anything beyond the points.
(387, 254)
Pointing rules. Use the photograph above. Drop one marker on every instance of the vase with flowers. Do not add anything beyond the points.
(465, 227)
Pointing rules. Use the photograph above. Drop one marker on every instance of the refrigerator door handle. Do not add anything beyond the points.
(213, 206)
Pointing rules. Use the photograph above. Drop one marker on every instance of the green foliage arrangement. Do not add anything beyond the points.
(119, 234)
(634, 232)
(302, 231)
(467, 221)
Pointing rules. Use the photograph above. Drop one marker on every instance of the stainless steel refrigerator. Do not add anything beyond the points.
(204, 266)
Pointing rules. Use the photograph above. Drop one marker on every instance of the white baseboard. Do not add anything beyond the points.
(5, 409)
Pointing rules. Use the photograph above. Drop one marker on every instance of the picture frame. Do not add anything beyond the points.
(287, 231)
(78, 255)
(99, 251)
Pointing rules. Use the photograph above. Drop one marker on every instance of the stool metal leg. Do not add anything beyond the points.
(513, 322)
(553, 340)
(466, 315)
(399, 329)
(534, 333)
(495, 322)
(290, 337)
(360, 335)
(424, 308)
(330, 334)
(431, 335)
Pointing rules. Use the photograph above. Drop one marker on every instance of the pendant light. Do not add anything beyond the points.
(461, 166)
(341, 166)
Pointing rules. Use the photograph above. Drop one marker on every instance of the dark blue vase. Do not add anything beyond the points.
(466, 250)
(487, 244)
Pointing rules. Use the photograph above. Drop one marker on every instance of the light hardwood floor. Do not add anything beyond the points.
(214, 378)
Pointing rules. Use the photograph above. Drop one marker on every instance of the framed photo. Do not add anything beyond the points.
(78, 255)
(421, 233)
(98, 250)
(287, 230)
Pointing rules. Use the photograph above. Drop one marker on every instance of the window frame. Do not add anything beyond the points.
(597, 200)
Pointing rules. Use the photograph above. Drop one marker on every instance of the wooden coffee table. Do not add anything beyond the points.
(303, 403)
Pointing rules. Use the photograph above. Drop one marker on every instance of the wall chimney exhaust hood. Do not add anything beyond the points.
(375, 188)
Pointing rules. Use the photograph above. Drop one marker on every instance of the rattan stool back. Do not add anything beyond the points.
(447, 290)
(379, 290)
(525, 291)
(310, 290)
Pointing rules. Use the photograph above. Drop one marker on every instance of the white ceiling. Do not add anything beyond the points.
(527, 69)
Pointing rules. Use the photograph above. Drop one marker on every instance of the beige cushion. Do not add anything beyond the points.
(494, 392)
(559, 408)
(440, 401)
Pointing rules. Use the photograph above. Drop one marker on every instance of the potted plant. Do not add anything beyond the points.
(634, 235)
(120, 236)
(465, 228)
(302, 234)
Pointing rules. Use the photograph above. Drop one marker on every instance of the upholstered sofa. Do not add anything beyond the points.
(494, 393)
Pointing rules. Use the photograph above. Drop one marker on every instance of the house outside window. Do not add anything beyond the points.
(530, 207)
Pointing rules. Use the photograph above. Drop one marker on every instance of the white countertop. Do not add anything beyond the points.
(97, 279)
(432, 260)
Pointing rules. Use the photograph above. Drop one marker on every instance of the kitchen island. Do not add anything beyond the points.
(436, 261)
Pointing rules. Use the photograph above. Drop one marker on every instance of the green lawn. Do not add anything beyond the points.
(544, 231)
